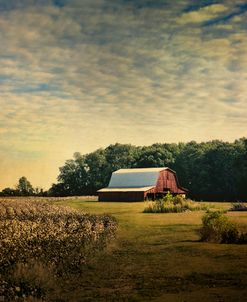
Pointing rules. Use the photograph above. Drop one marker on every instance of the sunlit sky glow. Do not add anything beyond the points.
(76, 75)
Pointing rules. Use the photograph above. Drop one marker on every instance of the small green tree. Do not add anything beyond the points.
(216, 227)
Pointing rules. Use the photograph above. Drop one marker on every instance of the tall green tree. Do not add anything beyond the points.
(217, 177)
(213, 170)
(241, 169)
(73, 178)
(188, 166)
(96, 168)
(157, 155)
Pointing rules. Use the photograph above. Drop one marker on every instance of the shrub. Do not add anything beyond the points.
(242, 238)
(32, 279)
(218, 228)
(170, 204)
(156, 206)
(239, 206)
(169, 197)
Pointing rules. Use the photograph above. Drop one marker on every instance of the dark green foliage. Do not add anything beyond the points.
(214, 170)
(157, 155)
(9, 192)
(242, 238)
(209, 169)
(241, 168)
(24, 187)
(216, 227)
(170, 204)
(85, 174)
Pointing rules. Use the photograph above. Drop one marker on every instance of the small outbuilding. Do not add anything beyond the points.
(140, 184)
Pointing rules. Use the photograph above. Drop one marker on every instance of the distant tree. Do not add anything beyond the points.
(72, 178)
(8, 192)
(24, 187)
(241, 169)
(187, 165)
(96, 171)
(119, 156)
(157, 155)
(213, 170)
(85, 174)
(40, 192)
(217, 172)
(57, 190)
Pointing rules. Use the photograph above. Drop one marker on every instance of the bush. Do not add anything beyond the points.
(242, 238)
(239, 206)
(55, 240)
(170, 204)
(218, 228)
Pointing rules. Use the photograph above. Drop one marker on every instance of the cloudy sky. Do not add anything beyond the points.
(76, 75)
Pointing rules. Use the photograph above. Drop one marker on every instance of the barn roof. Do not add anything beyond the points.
(134, 178)
(139, 189)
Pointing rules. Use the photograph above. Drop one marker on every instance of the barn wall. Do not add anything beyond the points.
(121, 196)
(167, 181)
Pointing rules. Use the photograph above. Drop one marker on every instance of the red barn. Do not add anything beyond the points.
(140, 184)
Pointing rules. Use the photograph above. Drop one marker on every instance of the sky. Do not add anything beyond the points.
(77, 75)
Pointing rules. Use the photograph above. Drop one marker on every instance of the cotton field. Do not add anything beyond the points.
(57, 240)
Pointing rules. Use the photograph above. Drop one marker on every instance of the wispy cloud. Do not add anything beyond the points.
(77, 75)
(203, 14)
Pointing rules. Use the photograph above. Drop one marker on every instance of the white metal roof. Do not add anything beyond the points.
(140, 170)
(134, 178)
(140, 189)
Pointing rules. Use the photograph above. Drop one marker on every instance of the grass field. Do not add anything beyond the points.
(157, 257)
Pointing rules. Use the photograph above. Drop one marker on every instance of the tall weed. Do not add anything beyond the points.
(173, 204)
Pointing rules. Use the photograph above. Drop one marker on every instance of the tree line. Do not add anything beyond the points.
(23, 188)
(213, 170)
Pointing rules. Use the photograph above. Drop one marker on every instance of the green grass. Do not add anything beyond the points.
(157, 257)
